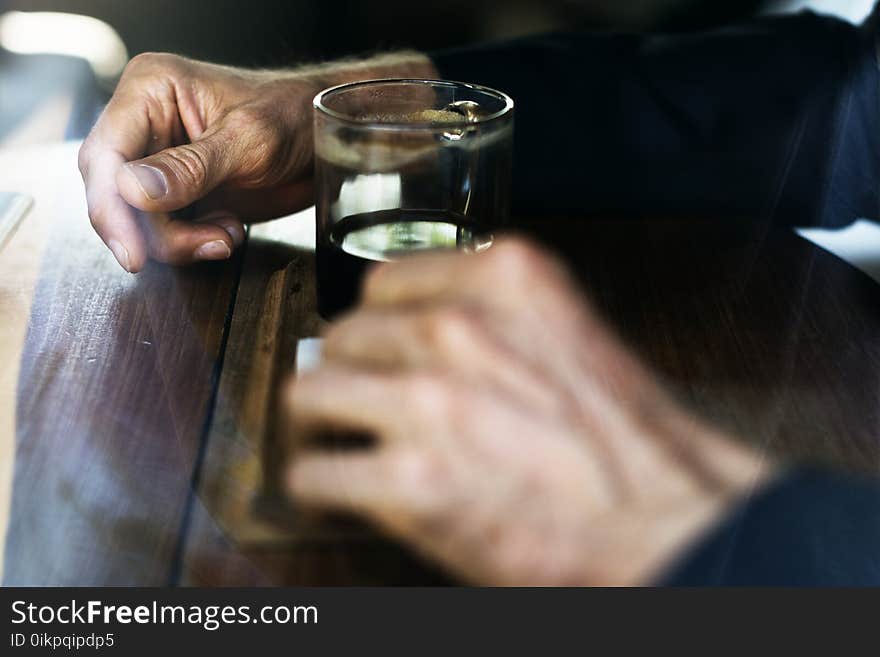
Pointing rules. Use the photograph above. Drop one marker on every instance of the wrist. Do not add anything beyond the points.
(297, 88)
(672, 502)
(404, 64)
(725, 473)
(314, 78)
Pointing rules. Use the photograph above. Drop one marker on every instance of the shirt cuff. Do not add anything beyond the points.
(808, 528)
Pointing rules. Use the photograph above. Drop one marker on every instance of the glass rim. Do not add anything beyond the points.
(320, 106)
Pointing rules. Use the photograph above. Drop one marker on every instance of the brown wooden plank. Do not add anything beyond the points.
(113, 390)
(243, 528)
(751, 326)
(224, 517)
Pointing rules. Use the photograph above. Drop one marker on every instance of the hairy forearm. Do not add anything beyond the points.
(398, 64)
(298, 85)
(401, 64)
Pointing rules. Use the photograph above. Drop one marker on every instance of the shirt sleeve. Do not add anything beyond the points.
(808, 529)
(775, 118)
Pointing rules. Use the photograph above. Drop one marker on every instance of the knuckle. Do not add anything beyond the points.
(84, 157)
(514, 255)
(95, 220)
(332, 335)
(95, 211)
(189, 164)
(143, 59)
(151, 61)
(374, 280)
(334, 346)
(336, 336)
(524, 263)
(449, 329)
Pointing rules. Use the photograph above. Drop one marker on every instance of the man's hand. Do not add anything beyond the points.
(517, 441)
(238, 142)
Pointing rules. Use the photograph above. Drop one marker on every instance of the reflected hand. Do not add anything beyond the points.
(518, 442)
(179, 131)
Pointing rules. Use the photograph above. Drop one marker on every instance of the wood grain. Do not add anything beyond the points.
(748, 324)
(116, 375)
(244, 530)
(752, 326)
(117, 396)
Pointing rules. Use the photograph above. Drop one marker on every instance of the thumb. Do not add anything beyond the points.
(176, 177)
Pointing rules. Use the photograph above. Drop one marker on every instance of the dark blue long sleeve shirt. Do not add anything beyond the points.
(774, 118)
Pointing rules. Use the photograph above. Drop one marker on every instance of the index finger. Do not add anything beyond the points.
(417, 278)
(494, 276)
(344, 399)
(121, 134)
(112, 218)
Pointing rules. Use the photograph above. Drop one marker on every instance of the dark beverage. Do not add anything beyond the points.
(358, 241)
(402, 167)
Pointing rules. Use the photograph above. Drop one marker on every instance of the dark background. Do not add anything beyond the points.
(281, 32)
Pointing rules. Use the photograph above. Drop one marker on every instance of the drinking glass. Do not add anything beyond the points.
(405, 166)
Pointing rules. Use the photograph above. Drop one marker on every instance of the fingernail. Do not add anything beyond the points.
(216, 250)
(150, 179)
(235, 231)
(121, 254)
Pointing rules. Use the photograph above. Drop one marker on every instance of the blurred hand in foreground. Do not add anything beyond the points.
(517, 441)
(237, 141)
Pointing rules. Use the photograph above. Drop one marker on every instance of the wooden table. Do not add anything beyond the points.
(136, 412)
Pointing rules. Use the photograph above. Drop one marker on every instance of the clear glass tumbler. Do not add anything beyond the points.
(403, 166)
